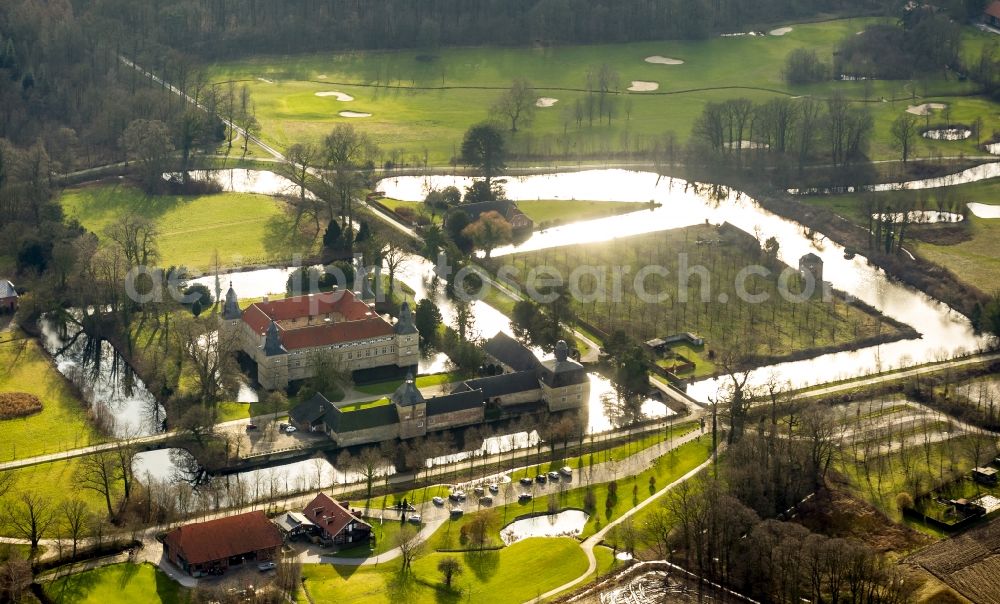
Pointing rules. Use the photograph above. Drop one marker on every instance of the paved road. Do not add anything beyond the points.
(164, 437)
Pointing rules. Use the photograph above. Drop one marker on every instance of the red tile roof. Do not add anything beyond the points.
(358, 322)
(224, 537)
(993, 9)
(329, 515)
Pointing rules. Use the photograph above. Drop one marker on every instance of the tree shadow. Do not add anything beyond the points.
(402, 587)
(73, 588)
(281, 236)
(484, 564)
(128, 572)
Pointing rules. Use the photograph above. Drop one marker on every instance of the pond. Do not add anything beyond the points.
(177, 466)
(104, 378)
(241, 180)
(567, 523)
(945, 333)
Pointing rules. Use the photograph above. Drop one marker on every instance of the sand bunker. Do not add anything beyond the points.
(948, 134)
(745, 145)
(546, 101)
(925, 109)
(640, 86)
(742, 33)
(354, 114)
(340, 96)
(657, 59)
(321, 76)
(780, 31)
(266, 81)
(984, 210)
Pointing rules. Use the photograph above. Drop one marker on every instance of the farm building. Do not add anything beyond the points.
(811, 265)
(8, 296)
(215, 546)
(518, 220)
(660, 345)
(294, 524)
(336, 522)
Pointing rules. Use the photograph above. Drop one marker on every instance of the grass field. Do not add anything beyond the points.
(422, 101)
(975, 261)
(55, 482)
(124, 583)
(422, 381)
(508, 576)
(723, 317)
(62, 423)
(549, 212)
(242, 228)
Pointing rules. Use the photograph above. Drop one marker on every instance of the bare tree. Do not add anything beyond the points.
(209, 353)
(904, 134)
(74, 520)
(517, 105)
(410, 546)
(136, 236)
(98, 472)
(30, 516)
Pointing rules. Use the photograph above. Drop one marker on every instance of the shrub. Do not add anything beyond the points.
(589, 500)
(18, 404)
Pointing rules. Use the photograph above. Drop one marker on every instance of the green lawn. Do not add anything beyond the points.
(242, 228)
(62, 424)
(55, 482)
(429, 104)
(124, 583)
(546, 212)
(508, 576)
(366, 404)
(422, 381)
(976, 261)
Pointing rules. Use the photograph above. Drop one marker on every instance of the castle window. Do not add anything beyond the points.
(420, 424)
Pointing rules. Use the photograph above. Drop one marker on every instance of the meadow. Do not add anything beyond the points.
(727, 322)
(422, 101)
(125, 583)
(62, 423)
(242, 228)
(975, 260)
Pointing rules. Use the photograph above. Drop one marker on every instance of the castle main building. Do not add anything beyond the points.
(285, 338)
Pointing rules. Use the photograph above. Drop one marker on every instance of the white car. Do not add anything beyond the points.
(289, 429)
(438, 501)
(413, 518)
(566, 471)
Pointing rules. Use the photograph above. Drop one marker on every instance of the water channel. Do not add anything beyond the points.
(944, 333)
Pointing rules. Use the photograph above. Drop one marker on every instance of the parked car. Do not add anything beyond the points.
(526, 481)
(251, 427)
(524, 497)
(566, 471)
(479, 491)
(540, 478)
(553, 476)
(289, 429)
(266, 566)
(494, 488)
(486, 500)
(414, 518)
(456, 511)
(438, 501)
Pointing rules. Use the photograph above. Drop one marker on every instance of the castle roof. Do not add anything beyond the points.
(407, 393)
(511, 353)
(327, 318)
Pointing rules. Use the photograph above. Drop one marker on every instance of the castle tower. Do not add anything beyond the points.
(231, 309)
(407, 339)
(411, 408)
(272, 373)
